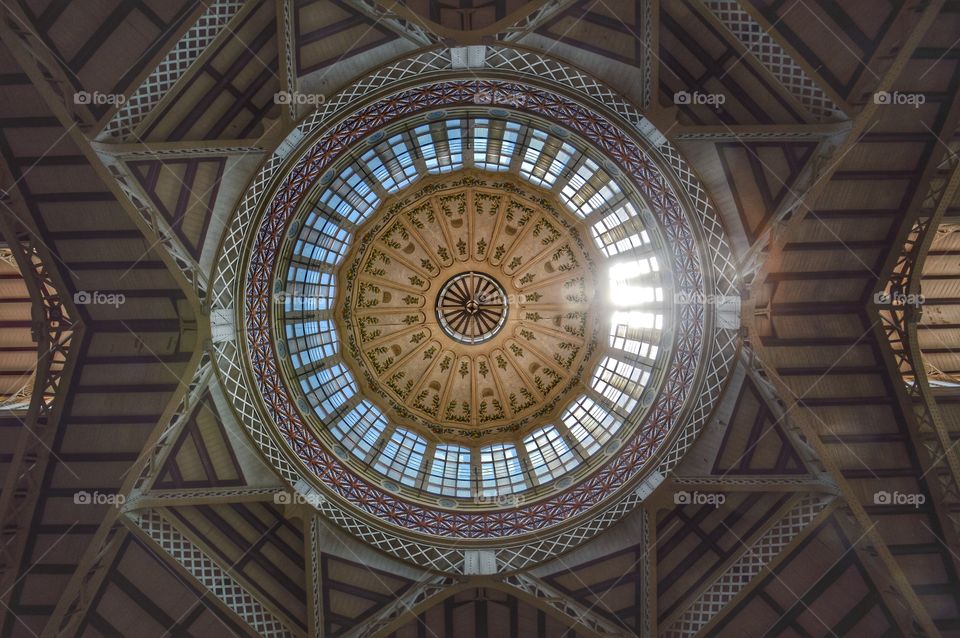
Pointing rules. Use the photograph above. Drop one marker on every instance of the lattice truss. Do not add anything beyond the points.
(900, 327)
(54, 331)
(173, 66)
(759, 43)
(573, 610)
(402, 605)
(721, 272)
(211, 575)
(716, 596)
(191, 271)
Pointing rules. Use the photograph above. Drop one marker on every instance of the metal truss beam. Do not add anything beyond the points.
(532, 21)
(744, 575)
(757, 40)
(227, 588)
(418, 598)
(768, 248)
(561, 606)
(733, 483)
(759, 132)
(287, 47)
(55, 330)
(174, 66)
(188, 148)
(151, 499)
(899, 588)
(405, 24)
(47, 77)
(897, 326)
(92, 566)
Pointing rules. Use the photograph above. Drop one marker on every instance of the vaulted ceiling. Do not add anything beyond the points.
(828, 147)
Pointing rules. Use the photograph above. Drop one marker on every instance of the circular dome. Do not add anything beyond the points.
(421, 402)
(324, 401)
(472, 371)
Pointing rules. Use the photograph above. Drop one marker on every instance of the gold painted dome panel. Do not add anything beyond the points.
(469, 306)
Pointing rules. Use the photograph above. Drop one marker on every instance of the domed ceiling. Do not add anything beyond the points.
(459, 308)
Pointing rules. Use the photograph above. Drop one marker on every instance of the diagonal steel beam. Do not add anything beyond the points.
(900, 588)
(171, 69)
(226, 586)
(768, 249)
(796, 517)
(57, 331)
(92, 567)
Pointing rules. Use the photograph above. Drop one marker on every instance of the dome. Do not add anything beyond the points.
(474, 309)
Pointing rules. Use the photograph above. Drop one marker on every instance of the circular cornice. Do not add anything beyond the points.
(702, 271)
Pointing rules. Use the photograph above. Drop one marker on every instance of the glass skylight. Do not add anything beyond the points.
(590, 190)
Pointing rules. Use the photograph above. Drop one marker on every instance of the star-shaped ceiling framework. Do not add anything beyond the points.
(837, 196)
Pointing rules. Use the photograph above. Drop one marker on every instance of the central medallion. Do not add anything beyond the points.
(468, 307)
(472, 307)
